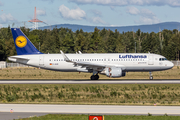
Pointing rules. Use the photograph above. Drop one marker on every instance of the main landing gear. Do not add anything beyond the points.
(150, 76)
(95, 77)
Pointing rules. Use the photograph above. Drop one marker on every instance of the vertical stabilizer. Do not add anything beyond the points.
(22, 43)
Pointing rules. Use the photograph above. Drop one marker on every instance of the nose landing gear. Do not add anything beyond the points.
(150, 76)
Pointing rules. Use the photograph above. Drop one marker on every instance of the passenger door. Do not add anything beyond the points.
(151, 60)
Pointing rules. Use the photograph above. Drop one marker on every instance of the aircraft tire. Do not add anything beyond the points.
(97, 77)
(151, 77)
(94, 77)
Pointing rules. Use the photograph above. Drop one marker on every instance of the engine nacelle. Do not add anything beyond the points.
(114, 72)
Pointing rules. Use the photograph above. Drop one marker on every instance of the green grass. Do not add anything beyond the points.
(112, 94)
(106, 117)
(34, 73)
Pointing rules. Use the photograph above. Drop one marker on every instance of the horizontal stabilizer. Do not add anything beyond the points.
(18, 57)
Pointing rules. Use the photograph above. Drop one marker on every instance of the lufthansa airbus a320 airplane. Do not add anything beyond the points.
(110, 64)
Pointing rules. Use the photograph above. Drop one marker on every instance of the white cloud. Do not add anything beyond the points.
(96, 12)
(146, 13)
(132, 10)
(147, 20)
(41, 12)
(146, 16)
(73, 14)
(49, 0)
(175, 3)
(114, 25)
(112, 7)
(1, 4)
(5, 18)
(97, 20)
(1, 25)
(101, 2)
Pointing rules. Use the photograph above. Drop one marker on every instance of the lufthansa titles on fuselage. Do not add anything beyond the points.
(132, 56)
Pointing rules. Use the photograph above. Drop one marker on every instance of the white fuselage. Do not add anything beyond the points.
(125, 61)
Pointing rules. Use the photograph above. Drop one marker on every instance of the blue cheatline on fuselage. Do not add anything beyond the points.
(22, 43)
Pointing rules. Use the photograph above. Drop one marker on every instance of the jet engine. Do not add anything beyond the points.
(114, 72)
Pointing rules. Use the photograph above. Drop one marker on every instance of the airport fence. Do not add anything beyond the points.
(4, 64)
(10, 65)
(176, 63)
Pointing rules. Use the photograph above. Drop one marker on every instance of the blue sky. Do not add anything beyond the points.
(89, 12)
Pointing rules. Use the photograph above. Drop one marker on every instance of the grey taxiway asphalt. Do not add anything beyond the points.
(23, 110)
(27, 110)
(89, 81)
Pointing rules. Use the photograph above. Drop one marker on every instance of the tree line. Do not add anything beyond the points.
(166, 42)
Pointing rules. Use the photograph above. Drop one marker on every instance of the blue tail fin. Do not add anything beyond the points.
(22, 43)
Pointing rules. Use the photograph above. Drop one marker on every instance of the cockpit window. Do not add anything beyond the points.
(162, 59)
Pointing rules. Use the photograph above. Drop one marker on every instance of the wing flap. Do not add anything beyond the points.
(88, 64)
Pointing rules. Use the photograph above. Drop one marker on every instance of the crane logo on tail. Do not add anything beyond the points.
(21, 41)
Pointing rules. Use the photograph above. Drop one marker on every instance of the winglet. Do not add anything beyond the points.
(65, 57)
(80, 52)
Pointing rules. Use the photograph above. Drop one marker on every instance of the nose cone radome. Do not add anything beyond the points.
(171, 65)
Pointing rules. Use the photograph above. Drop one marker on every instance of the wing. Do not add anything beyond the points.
(87, 65)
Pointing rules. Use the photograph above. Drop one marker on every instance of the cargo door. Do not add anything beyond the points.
(41, 61)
